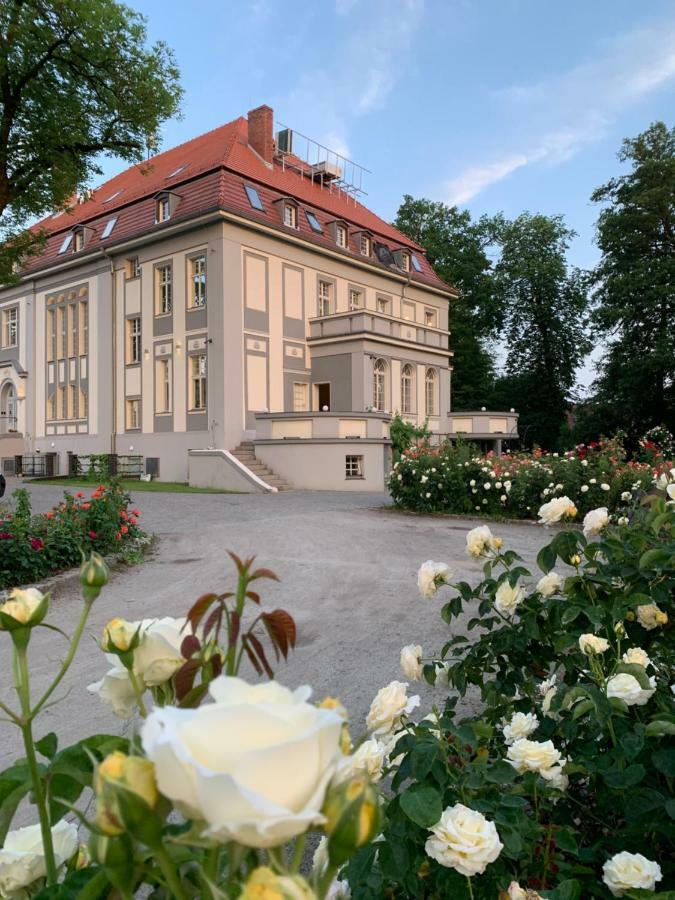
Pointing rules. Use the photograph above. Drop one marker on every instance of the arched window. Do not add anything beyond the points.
(7, 408)
(407, 382)
(431, 392)
(379, 384)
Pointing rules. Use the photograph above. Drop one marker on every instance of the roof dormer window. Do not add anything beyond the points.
(290, 215)
(365, 246)
(78, 243)
(67, 241)
(405, 261)
(163, 208)
(341, 236)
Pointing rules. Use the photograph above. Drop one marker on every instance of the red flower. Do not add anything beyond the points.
(136, 512)
(93, 535)
(36, 543)
(85, 506)
(133, 520)
(49, 515)
(123, 515)
(79, 495)
(124, 529)
(5, 536)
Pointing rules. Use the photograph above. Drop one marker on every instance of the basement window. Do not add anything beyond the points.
(254, 198)
(353, 466)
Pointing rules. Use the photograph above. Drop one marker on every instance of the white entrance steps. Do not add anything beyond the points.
(245, 453)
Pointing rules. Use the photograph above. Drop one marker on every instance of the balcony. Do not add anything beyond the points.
(491, 429)
(371, 324)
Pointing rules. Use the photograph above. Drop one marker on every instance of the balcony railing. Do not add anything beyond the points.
(359, 321)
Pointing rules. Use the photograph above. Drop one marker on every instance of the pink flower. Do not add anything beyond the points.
(37, 544)
(93, 535)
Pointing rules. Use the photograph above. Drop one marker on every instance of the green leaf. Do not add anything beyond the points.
(569, 614)
(546, 558)
(659, 728)
(664, 761)
(422, 804)
(658, 558)
(47, 745)
(641, 803)
(566, 841)
(570, 889)
(638, 672)
(625, 778)
(84, 884)
(500, 772)
(423, 756)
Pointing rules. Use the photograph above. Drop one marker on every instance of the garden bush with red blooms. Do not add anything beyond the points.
(454, 479)
(33, 546)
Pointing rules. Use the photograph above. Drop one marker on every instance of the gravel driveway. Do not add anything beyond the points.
(348, 576)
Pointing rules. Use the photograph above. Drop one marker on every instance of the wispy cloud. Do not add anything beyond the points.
(561, 116)
(361, 73)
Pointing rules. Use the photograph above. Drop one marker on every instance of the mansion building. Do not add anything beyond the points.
(226, 311)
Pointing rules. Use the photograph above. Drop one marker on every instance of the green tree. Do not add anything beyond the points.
(77, 81)
(455, 246)
(544, 304)
(635, 285)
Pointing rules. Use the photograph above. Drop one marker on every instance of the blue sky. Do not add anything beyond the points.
(495, 105)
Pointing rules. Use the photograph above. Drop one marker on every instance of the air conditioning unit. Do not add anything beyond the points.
(326, 171)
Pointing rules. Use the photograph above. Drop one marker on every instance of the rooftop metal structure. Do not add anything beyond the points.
(326, 167)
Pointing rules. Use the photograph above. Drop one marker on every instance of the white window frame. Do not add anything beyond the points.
(78, 242)
(365, 245)
(300, 396)
(198, 382)
(354, 466)
(197, 293)
(163, 394)
(134, 332)
(163, 209)
(325, 298)
(360, 303)
(431, 318)
(290, 215)
(341, 238)
(431, 392)
(380, 385)
(164, 289)
(133, 414)
(407, 389)
(383, 306)
(10, 331)
(405, 261)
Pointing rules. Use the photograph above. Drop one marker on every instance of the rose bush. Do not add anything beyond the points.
(35, 546)
(562, 787)
(454, 479)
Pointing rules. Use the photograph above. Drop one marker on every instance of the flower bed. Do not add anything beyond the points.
(453, 480)
(36, 546)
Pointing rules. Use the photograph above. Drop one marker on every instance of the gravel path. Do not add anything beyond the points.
(348, 576)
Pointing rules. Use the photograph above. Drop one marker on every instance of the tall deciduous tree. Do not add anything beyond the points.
(77, 80)
(455, 246)
(635, 296)
(544, 304)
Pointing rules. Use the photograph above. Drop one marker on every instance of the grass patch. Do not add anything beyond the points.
(161, 487)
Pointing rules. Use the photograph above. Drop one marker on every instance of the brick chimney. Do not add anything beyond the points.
(261, 132)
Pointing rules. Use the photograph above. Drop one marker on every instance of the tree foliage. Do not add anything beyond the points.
(77, 81)
(456, 248)
(544, 307)
(635, 285)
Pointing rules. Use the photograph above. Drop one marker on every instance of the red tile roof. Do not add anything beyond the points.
(209, 173)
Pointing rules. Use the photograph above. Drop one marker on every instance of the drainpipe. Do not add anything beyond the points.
(113, 426)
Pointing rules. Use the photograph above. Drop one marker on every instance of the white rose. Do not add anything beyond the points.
(430, 576)
(472, 483)
(521, 725)
(604, 486)
(622, 520)
(515, 892)
(546, 686)
(555, 510)
(550, 584)
(338, 890)
(391, 704)
(584, 488)
(533, 756)
(627, 688)
(555, 777)
(546, 703)
(22, 859)
(593, 480)
(508, 598)
(626, 496)
(590, 643)
(368, 757)
(411, 661)
(636, 655)
(584, 462)
(650, 616)
(595, 521)
(464, 840)
(630, 871)
(487, 486)
(477, 540)
(254, 765)
(115, 688)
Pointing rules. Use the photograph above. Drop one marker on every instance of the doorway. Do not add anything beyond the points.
(322, 396)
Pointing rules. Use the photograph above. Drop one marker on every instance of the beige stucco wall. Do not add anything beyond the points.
(320, 465)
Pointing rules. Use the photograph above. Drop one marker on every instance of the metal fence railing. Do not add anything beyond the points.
(37, 465)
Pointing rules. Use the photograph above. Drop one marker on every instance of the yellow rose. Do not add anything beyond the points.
(131, 773)
(264, 884)
(118, 634)
(23, 606)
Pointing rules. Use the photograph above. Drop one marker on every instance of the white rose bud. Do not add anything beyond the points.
(464, 840)
(590, 643)
(411, 661)
(630, 872)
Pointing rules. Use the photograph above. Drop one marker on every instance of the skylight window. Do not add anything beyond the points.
(416, 263)
(176, 171)
(314, 223)
(112, 196)
(107, 231)
(254, 198)
(67, 241)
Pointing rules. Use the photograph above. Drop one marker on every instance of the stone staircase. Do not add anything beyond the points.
(245, 453)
